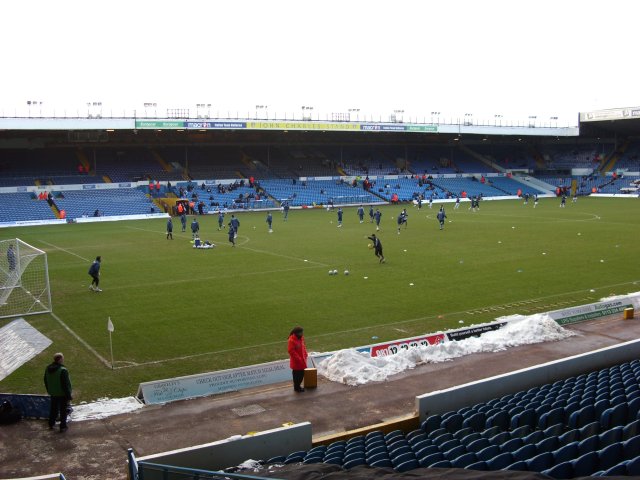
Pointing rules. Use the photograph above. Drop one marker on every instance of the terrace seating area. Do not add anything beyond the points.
(23, 206)
(601, 184)
(581, 426)
(234, 196)
(127, 165)
(291, 162)
(21, 167)
(320, 192)
(120, 201)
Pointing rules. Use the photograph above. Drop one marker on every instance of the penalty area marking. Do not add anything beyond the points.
(65, 250)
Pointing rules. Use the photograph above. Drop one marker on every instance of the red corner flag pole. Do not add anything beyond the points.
(111, 329)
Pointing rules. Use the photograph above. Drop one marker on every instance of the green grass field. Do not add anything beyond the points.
(180, 311)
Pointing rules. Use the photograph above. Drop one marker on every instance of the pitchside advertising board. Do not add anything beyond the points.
(180, 388)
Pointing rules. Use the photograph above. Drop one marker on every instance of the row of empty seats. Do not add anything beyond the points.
(584, 425)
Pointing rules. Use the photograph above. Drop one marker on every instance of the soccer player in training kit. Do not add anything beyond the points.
(402, 219)
(94, 272)
(535, 200)
(339, 217)
(285, 208)
(195, 228)
(457, 203)
(220, 220)
(361, 213)
(232, 235)
(235, 223)
(183, 220)
(377, 245)
(441, 216)
(377, 217)
(371, 213)
(563, 202)
(169, 229)
(269, 221)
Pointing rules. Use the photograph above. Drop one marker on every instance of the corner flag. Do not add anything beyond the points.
(110, 325)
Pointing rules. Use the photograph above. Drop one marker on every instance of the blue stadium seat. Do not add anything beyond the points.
(589, 444)
(463, 432)
(463, 460)
(438, 433)
(600, 406)
(501, 420)
(453, 422)
(352, 456)
(490, 432)
(500, 461)
(442, 464)
(519, 466)
(610, 436)
(534, 437)
(633, 407)
(381, 463)
(377, 456)
(610, 456)
(476, 422)
(586, 464)
(354, 463)
(552, 417)
(431, 423)
(631, 429)
(589, 430)
(525, 452)
(541, 462)
(440, 439)
(448, 445)
(399, 450)
(478, 445)
(481, 465)
(391, 435)
(549, 444)
(277, 459)
(428, 450)
(521, 432)
(554, 430)
(455, 452)
(511, 445)
(431, 459)
(467, 439)
(582, 417)
(633, 467)
(567, 452)
(614, 416)
(500, 438)
(407, 465)
(415, 435)
(489, 452)
(560, 471)
(632, 447)
(376, 434)
(617, 470)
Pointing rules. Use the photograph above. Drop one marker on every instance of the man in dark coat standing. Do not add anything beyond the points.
(58, 384)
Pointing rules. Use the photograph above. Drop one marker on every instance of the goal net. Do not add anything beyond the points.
(24, 279)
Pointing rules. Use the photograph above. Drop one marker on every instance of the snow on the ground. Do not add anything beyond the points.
(353, 368)
(105, 407)
(617, 297)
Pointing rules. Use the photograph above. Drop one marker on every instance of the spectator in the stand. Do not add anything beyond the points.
(50, 199)
(201, 207)
(157, 187)
(151, 187)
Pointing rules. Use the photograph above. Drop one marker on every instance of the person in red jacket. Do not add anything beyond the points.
(297, 357)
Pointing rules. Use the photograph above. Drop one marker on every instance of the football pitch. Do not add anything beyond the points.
(179, 311)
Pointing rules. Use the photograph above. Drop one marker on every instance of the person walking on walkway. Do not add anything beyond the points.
(297, 357)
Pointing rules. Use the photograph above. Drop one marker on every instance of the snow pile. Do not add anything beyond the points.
(353, 368)
(618, 297)
(250, 465)
(105, 407)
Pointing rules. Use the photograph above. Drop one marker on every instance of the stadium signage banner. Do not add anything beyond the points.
(474, 331)
(391, 348)
(180, 388)
(215, 125)
(160, 124)
(582, 313)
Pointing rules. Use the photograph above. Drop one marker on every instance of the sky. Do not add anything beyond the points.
(486, 58)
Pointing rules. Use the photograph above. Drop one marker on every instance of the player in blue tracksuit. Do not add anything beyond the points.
(235, 223)
(377, 216)
(371, 214)
(526, 199)
(563, 202)
(535, 200)
(361, 213)
(457, 203)
(220, 220)
(441, 216)
(195, 228)
(183, 221)
(285, 208)
(232, 235)
(339, 217)
(169, 229)
(269, 221)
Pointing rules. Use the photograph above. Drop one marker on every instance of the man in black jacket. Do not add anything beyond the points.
(58, 384)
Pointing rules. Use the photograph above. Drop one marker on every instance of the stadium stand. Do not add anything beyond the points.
(580, 426)
(121, 201)
(23, 206)
(320, 192)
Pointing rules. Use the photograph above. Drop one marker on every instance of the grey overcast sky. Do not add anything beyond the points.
(513, 58)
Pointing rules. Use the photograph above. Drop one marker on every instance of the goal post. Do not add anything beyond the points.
(24, 279)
